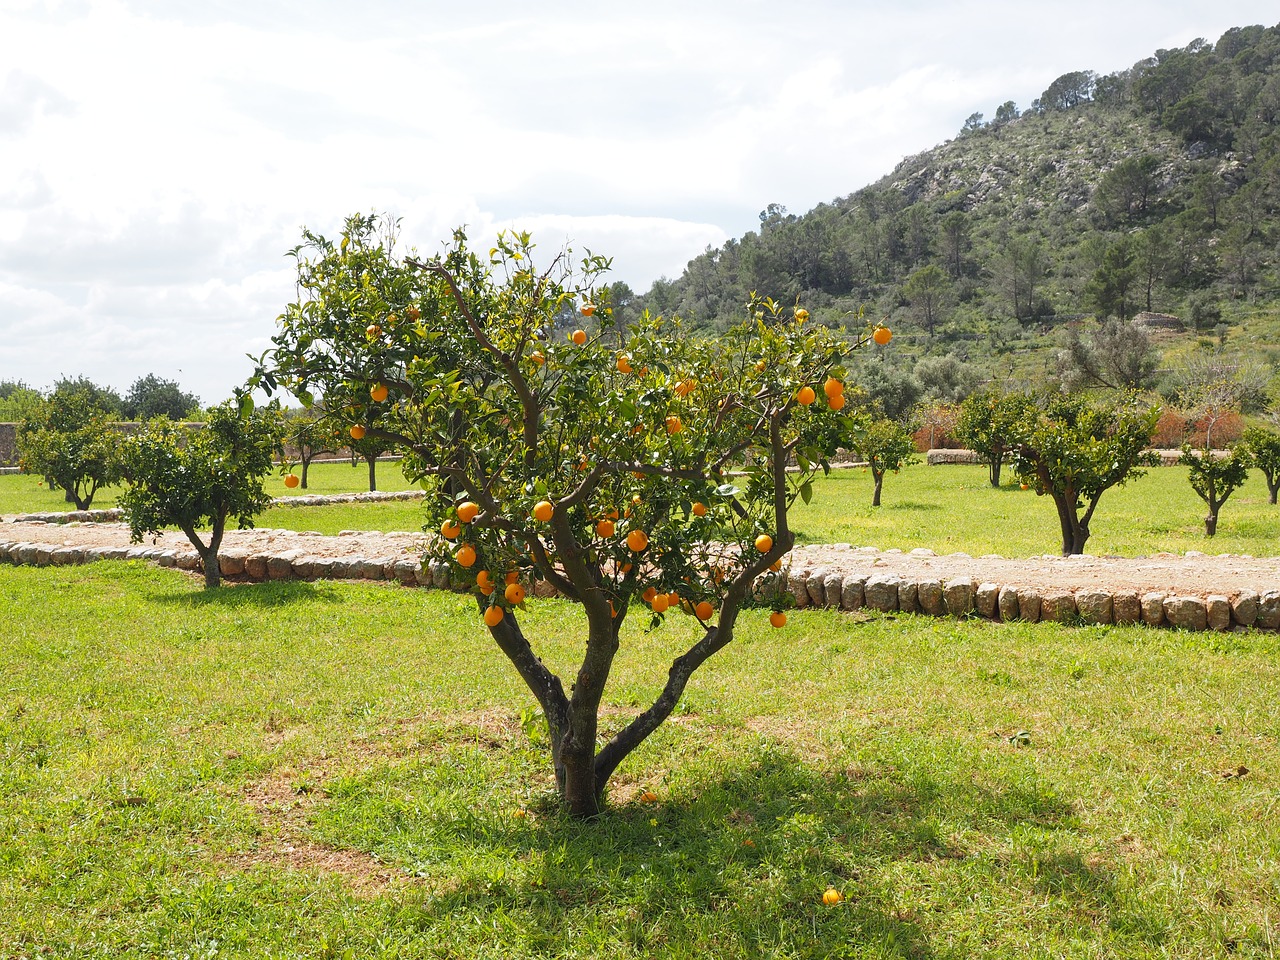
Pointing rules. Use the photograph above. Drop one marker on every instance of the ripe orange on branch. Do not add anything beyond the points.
(588, 309)
(493, 616)
(514, 594)
(466, 555)
(833, 388)
(637, 540)
(674, 425)
(806, 396)
(378, 392)
(836, 402)
(450, 529)
(542, 511)
(467, 511)
(605, 528)
(579, 337)
(357, 432)
(882, 335)
(699, 509)
(704, 610)
(764, 543)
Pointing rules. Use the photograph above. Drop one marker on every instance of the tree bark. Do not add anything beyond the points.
(875, 497)
(1075, 533)
(993, 469)
(209, 553)
(1273, 487)
(373, 474)
(1211, 523)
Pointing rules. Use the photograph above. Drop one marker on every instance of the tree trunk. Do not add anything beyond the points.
(209, 554)
(373, 473)
(875, 497)
(1211, 523)
(306, 464)
(1273, 486)
(993, 469)
(1074, 533)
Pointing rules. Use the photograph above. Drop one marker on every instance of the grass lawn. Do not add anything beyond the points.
(944, 508)
(334, 770)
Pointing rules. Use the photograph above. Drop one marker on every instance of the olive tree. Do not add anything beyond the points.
(631, 469)
(201, 478)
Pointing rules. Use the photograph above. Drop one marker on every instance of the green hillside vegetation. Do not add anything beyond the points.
(1152, 189)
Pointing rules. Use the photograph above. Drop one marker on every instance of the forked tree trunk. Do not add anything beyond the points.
(993, 469)
(1273, 486)
(1211, 523)
(208, 554)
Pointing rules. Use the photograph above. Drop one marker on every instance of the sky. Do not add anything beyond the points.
(158, 158)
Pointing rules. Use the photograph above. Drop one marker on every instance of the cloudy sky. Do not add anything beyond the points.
(158, 157)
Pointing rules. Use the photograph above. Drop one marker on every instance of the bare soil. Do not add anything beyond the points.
(1192, 574)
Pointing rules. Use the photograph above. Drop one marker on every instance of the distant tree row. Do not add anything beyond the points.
(149, 397)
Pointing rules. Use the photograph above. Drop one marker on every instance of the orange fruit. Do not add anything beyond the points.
(450, 530)
(704, 610)
(493, 616)
(776, 565)
(660, 603)
(882, 335)
(673, 599)
(467, 511)
(625, 568)
(543, 510)
(761, 366)
(357, 432)
(806, 396)
(637, 540)
(413, 313)
(833, 387)
(373, 331)
(836, 402)
(699, 509)
(802, 314)
(537, 357)
(685, 387)
(832, 896)
(624, 363)
(649, 594)
(644, 372)
(648, 797)
(1024, 486)
(466, 555)
(291, 480)
(674, 425)
(514, 594)
(579, 337)
(378, 392)
(778, 618)
(605, 528)
(764, 543)
(513, 576)
(588, 309)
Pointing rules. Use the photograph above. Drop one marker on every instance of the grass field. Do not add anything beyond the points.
(338, 770)
(944, 508)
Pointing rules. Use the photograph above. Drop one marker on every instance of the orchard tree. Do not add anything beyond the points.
(310, 433)
(1075, 450)
(633, 470)
(1263, 446)
(203, 477)
(884, 445)
(985, 424)
(1214, 478)
(151, 396)
(71, 441)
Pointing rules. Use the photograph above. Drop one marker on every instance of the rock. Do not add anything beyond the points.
(1244, 610)
(833, 587)
(440, 574)
(798, 584)
(1126, 609)
(255, 566)
(231, 563)
(44, 555)
(881, 593)
(543, 589)
(423, 574)
(1269, 611)
(1029, 605)
(986, 600)
(1057, 606)
(1153, 609)
(929, 596)
(279, 568)
(1186, 613)
(851, 597)
(188, 560)
(1008, 604)
(1217, 609)
(1095, 606)
(371, 569)
(958, 596)
(908, 596)
(168, 559)
(406, 571)
(816, 588)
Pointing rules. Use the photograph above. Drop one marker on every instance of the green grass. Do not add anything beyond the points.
(944, 508)
(329, 770)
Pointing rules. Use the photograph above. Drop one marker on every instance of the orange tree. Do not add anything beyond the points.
(632, 469)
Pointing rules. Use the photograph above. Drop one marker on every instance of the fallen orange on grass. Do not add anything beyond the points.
(832, 896)
(778, 619)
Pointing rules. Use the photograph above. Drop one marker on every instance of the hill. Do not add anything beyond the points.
(1155, 188)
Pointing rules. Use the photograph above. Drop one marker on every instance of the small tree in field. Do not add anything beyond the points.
(634, 469)
(1215, 478)
(884, 444)
(985, 424)
(1263, 447)
(311, 433)
(202, 478)
(71, 441)
(1075, 450)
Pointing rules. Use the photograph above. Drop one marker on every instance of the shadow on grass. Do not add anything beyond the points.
(743, 858)
(264, 594)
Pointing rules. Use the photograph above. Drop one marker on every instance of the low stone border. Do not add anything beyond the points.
(955, 597)
(962, 597)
